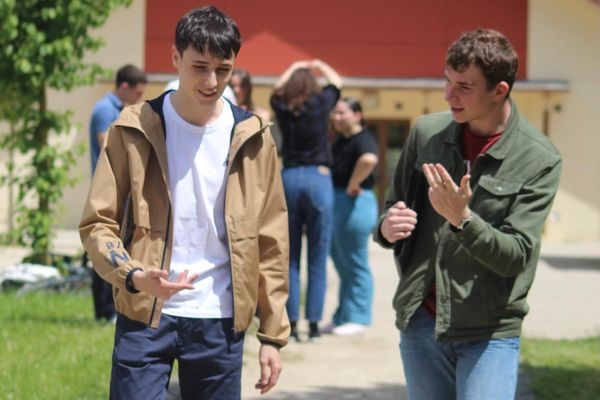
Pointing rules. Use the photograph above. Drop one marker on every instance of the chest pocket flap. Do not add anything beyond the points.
(499, 186)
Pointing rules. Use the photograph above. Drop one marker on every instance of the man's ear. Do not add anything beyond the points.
(502, 90)
(123, 86)
(175, 56)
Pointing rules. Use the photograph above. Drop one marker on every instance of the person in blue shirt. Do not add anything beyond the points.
(129, 87)
(130, 83)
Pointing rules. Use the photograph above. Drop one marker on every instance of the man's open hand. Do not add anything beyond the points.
(156, 282)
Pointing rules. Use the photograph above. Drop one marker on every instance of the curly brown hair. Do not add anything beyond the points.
(489, 50)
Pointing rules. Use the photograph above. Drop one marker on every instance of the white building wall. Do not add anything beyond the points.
(564, 43)
(124, 35)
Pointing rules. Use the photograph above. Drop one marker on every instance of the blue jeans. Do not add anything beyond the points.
(464, 370)
(208, 352)
(353, 221)
(309, 196)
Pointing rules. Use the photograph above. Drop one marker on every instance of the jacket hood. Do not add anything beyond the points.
(148, 119)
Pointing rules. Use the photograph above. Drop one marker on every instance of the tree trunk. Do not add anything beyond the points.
(42, 238)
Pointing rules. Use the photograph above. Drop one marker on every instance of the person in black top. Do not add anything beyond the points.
(355, 156)
(302, 111)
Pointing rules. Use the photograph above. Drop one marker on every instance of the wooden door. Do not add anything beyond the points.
(391, 135)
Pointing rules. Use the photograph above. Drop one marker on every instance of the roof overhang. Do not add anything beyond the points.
(528, 85)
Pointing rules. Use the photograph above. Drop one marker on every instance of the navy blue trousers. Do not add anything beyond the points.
(208, 352)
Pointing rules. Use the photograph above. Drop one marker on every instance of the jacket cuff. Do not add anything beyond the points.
(270, 343)
(122, 272)
(472, 231)
(273, 341)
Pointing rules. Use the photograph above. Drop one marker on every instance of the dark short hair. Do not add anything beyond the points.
(355, 106)
(208, 29)
(131, 75)
(489, 50)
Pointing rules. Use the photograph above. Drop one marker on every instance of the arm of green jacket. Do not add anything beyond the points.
(509, 248)
(402, 173)
(274, 255)
(99, 226)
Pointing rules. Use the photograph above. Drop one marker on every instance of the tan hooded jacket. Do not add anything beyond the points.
(127, 220)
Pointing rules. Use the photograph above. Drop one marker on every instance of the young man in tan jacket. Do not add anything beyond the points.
(186, 218)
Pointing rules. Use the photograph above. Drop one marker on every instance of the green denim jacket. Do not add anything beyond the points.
(483, 273)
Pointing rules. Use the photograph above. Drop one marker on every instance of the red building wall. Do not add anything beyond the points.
(379, 38)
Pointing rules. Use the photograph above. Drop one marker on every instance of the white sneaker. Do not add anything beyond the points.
(327, 329)
(349, 329)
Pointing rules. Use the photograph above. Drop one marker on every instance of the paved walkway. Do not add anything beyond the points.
(563, 304)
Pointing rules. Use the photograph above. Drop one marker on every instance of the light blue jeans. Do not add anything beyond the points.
(309, 197)
(465, 370)
(353, 221)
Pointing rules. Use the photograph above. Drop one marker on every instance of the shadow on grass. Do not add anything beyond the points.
(551, 383)
(581, 263)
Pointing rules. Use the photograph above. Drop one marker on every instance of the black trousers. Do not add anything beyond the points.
(104, 306)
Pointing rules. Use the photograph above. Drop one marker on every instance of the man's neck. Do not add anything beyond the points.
(118, 96)
(494, 122)
(196, 115)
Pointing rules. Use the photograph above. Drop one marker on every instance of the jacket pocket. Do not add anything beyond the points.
(243, 235)
(493, 197)
(244, 244)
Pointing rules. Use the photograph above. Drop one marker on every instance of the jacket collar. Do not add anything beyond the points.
(500, 149)
(148, 118)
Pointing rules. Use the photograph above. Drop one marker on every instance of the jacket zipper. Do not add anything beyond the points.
(162, 262)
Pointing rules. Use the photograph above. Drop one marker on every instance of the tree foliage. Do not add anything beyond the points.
(42, 47)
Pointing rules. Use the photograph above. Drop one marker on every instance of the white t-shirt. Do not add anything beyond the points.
(197, 162)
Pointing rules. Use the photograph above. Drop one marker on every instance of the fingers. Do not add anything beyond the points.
(158, 273)
(445, 177)
(399, 222)
(465, 185)
(176, 286)
(438, 177)
(432, 175)
(270, 369)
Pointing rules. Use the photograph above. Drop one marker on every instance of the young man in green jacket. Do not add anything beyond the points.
(464, 215)
(187, 219)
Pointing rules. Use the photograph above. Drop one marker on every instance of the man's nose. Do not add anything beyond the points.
(448, 92)
(211, 80)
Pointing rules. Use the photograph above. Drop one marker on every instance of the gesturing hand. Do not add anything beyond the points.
(398, 223)
(156, 282)
(448, 199)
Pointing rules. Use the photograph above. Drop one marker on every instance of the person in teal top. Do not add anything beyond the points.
(464, 215)
(355, 156)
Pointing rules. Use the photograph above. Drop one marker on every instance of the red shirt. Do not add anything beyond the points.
(472, 146)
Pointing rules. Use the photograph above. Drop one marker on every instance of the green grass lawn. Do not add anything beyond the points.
(563, 369)
(52, 348)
